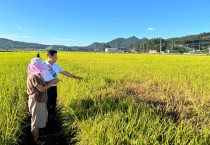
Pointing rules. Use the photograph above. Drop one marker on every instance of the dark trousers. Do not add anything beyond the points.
(51, 103)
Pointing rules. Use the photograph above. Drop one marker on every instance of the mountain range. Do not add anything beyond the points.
(189, 41)
(6, 44)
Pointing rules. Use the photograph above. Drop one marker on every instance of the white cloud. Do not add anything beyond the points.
(151, 29)
(62, 39)
(21, 28)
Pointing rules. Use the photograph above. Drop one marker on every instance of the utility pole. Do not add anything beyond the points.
(126, 46)
(160, 45)
(172, 45)
(199, 46)
(209, 49)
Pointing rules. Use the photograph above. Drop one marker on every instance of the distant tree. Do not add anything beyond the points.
(104, 46)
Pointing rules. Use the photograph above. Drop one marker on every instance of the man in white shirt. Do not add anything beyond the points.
(54, 69)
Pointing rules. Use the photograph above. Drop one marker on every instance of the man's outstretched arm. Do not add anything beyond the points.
(66, 73)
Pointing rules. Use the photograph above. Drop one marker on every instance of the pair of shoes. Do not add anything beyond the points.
(39, 142)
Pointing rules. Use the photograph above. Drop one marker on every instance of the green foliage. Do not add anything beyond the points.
(182, 44)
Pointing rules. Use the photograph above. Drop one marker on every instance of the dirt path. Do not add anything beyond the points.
(55, 135)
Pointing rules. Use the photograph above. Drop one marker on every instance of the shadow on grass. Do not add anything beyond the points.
(55, 134)
(119, 98)
(84, 109)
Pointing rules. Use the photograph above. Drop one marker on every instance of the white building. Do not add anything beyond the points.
(108, 50)
(153, 51)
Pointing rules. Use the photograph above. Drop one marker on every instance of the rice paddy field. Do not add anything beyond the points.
(124, 99)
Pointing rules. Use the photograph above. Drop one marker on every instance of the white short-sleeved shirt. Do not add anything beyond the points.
(54, 69)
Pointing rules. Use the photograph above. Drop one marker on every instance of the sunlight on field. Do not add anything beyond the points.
(123, 99)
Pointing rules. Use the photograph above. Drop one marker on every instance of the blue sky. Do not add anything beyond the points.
(82, 22)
